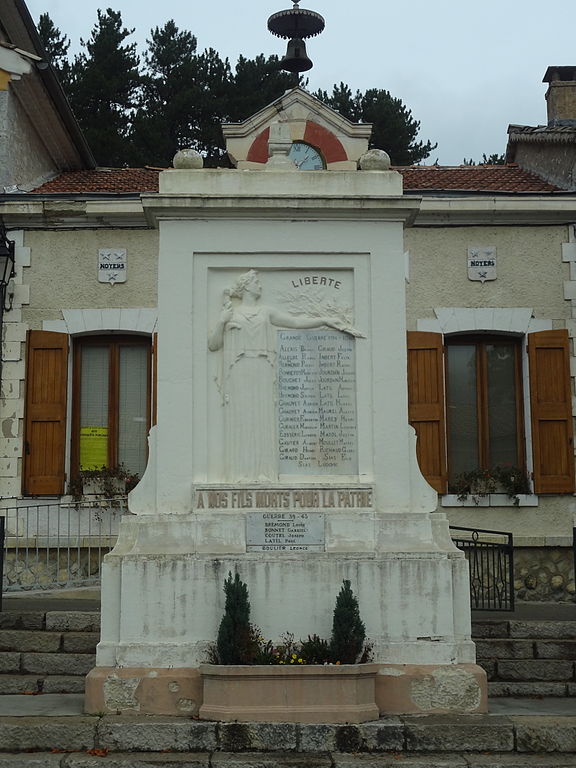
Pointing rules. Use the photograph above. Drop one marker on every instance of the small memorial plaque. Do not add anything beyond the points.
(317, 430)
(285, 532)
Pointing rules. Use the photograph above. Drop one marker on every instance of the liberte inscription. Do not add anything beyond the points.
(317, 432)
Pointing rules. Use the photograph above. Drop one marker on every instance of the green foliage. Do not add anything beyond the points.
(103, 87)
(56, 46)
(494, 159)
(503, 478)
(394, 128)
(236, 641)
(135, 114)
(348, 630)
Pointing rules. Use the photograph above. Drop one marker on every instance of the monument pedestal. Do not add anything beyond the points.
(283, 451)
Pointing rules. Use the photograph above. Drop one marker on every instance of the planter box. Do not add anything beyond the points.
(286, 694)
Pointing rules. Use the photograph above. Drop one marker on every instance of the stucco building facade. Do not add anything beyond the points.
(490, 285)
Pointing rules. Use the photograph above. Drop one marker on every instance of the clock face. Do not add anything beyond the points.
(306, 157)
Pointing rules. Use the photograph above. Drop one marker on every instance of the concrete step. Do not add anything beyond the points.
(46, 663)
(43, 641)
(530, 690)
(524, 629)
(424, 738)
(507, 648)
(32, 684)
(529, 670)
(257, 760)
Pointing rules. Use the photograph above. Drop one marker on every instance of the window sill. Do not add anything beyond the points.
(491, 500)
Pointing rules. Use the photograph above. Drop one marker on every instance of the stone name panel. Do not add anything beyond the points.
(285, 499)
(317, 432)
(285, 532)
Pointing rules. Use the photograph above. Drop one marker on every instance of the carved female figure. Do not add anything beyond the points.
(245, 333)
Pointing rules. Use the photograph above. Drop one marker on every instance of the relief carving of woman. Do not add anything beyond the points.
(245, 333)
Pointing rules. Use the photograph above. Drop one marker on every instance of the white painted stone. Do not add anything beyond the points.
(374, 160)
(8, 468)
(14, 331)
(188, 159)
(162, 584)
(570, 290)
(21, 294)
(12, 408)
(13, 369)
(10, 447)
(569, 252)
(11, 350)
(9, 427)
(10, 389)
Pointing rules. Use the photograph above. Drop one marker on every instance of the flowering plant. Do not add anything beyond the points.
(240, 642)
(504, 478)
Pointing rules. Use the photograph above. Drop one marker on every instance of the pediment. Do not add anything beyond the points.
(340, 141)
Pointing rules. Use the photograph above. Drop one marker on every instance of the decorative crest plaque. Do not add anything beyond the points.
(112, 265)
(482, 263)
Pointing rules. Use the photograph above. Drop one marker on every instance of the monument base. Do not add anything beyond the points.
(350, 693)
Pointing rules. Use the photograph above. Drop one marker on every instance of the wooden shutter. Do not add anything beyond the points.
(426, 404)
(45, 418)
(551, 406)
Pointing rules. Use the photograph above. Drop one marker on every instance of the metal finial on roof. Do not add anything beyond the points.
(295, 25)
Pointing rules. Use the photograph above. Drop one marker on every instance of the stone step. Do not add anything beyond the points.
(530, 670)
(507, 648)
(43, 641)
(46, 663)
(52, 621)
(513, 628)
(257, 760)
(529, 690)
(31, 684)
(391, 738)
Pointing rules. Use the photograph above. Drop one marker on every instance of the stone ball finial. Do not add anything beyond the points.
(187, 159)
(374, 160)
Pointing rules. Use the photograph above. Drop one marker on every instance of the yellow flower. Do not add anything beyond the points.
(300, 661)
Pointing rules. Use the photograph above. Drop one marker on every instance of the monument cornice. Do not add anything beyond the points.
(284, 208)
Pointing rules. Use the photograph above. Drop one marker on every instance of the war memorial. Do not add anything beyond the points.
(282, 450)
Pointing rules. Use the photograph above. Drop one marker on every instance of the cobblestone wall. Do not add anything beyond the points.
(544, 574)
(51, 567)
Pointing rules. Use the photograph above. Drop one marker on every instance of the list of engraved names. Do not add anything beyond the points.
(317, 403)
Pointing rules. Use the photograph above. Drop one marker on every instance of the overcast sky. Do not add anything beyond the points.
(465, 69)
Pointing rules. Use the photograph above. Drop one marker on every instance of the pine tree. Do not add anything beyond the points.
(394, 128)
(103, 87)
(348, 630)
(56, 46)
(235, 643)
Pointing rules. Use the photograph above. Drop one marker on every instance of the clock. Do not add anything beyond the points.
(306, 157)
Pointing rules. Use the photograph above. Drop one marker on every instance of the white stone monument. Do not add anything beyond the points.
(283, 450)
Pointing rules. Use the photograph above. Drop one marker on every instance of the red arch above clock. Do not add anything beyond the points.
(316, 135)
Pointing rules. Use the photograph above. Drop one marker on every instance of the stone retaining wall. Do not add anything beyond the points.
(544, 574)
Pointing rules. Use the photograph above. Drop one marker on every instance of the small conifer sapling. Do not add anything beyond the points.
(235, 637)
(348, 630)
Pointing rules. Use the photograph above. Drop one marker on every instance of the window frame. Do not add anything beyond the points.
(480, 341)
(114, 342)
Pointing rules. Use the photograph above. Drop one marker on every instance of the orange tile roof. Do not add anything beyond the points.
(423, 178)
(473, 178)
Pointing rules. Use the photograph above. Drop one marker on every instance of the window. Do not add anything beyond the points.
(478, 420)
(111, 402)
(484, 408)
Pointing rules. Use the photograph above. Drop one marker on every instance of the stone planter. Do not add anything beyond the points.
(302, 694)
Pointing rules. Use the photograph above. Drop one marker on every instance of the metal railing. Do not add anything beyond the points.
(490, 555)
(48, 545)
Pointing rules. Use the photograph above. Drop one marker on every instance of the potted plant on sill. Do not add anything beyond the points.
(310, 681)
(102, 483)
(503, 478)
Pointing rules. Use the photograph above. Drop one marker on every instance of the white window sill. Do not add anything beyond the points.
(490, 500)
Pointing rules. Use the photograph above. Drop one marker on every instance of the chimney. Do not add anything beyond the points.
(561, 95)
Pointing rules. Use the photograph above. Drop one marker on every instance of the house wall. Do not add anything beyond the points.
(56, 271)
(24, 160)
(555, 162)
(530, 270)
